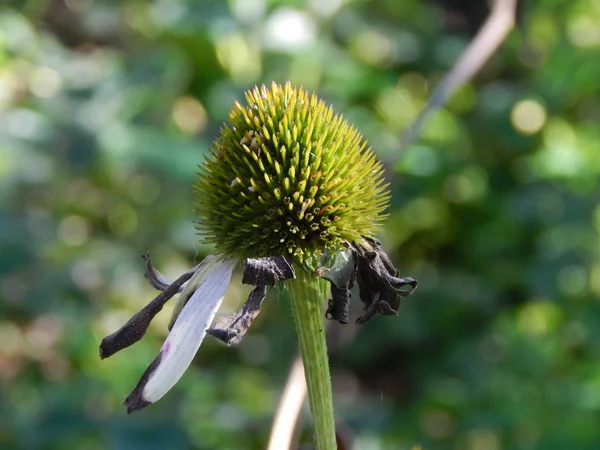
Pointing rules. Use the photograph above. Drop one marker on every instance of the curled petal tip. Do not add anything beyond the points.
(136, 401)
(380, 288)
(230, 330)
(227, 336)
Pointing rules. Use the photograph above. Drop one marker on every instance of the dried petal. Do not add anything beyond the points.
(379, 287)
(338, 304)
(267, 271)
(156, 279)
(261, 272)
(136, 327)
(342, 276)
(231, 329)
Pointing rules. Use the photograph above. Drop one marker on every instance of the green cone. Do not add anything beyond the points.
(288, 176)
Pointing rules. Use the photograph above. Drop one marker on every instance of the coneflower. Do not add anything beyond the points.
(293, 191)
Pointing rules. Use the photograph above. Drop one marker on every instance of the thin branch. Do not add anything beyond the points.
(493, 32)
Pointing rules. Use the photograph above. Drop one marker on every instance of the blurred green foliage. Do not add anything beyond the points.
(107, 107)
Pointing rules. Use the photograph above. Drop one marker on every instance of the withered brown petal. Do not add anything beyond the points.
(379, 287)
(337, 307)
(267, 271)
(260, 272)
(379, 308)
(397, 283)
(385, 259)
(231, 329)
(136, 327)
(156, 279)
(342, 280)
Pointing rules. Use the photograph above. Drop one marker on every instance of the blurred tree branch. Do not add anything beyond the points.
(494, 31)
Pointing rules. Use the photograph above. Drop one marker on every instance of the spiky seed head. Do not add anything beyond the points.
(288, 176)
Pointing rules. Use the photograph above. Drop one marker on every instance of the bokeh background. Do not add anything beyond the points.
(106, 108)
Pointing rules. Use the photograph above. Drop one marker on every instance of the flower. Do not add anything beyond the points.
(288, 186)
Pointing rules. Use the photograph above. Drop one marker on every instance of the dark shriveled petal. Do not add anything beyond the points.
(379, 308)
(156, 279)
(380, 289)
(342, 277)
(136, 327)
(267, 271)
(231, 329)
(260, 272)
(337, 307)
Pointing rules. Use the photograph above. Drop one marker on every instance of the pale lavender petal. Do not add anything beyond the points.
(187, 334)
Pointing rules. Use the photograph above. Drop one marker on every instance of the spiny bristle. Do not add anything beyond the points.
(288, 176)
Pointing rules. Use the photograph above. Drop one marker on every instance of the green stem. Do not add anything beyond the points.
(307, 294)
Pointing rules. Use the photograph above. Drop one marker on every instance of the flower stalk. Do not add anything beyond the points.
(306, 296)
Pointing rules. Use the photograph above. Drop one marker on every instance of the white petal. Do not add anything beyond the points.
(187, 334)
(204, 271)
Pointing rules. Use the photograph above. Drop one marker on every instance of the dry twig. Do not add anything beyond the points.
(493, 32)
